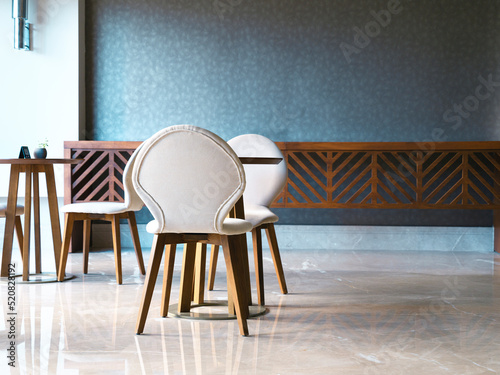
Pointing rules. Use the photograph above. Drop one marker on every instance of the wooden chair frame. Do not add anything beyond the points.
(258, 261)
(87, 218)
(237, 271)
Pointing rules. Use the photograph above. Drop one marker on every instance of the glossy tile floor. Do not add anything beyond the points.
(347, 312)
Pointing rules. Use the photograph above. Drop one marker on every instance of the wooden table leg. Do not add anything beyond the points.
(186, 287)
(36, 217)
(54, 213)
(27, 225)
(10, 220)
(246, 267)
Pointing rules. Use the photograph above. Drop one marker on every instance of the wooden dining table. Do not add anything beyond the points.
(31, 168)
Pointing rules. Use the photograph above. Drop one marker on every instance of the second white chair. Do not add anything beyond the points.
(264, 183)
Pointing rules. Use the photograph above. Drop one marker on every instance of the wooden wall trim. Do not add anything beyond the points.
(389, 146)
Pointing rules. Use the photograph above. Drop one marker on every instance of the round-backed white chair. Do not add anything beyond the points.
(108, 211)
(189, 179)
(264, 183)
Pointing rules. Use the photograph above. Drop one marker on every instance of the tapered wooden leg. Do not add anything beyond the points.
(27, 225)
(115, 228)
(87, 225)
(212, 268)
(186, 288)
(275, 252)
(149, 282)
(259, 267)
(19, 233)
(168, 274)
(36, 219)
(54, 211)
(132, 223)
(68, 229)
(235, 273)
(241, 241)
(199, 275)
(10, 215)
(245, 270)
(230, 300)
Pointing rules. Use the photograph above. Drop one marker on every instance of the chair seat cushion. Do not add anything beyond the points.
(95, 208)
(236, 226)
(229, 226)
(3, 210)
(259, 215)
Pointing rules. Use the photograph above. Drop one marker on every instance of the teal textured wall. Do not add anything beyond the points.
(299, 70)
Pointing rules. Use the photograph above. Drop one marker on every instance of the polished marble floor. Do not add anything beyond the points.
(348, 312)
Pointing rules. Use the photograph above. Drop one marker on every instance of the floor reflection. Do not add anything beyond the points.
(347, 313)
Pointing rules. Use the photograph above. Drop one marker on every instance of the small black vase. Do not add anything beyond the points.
(40, 153)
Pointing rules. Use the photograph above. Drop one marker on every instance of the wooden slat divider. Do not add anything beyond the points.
(398, 174)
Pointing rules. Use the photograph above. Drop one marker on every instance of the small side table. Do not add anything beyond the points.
(32, 168)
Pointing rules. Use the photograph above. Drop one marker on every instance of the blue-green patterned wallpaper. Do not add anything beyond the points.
(295, 70)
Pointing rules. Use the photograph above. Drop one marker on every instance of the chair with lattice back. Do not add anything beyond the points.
(107, 211)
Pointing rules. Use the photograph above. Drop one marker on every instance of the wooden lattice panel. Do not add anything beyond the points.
(104, 184)
(368, 178)
(334, 175)
(98, 177)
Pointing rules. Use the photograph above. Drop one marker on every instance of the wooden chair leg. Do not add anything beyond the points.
(212, 268)
(168, 275)
(275, 252)
(231, 310)
(259, 266)
(87, 225)
(132, 223)
(149, 282)
(186, 288)
(235, 274)
(68, 230)
(19, 233)
(115, 228)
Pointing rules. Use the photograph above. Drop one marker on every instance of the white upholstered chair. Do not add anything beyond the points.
(108, 211)
(264, 183)
(189, 179)
(17, 223)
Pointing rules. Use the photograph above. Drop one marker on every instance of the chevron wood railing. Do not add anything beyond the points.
(392, 175)
(99, 176)
(441, 175)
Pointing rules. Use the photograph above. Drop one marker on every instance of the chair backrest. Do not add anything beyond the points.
(264, 181)
(189, 178)
(132, 201)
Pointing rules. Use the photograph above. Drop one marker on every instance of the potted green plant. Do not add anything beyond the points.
(41, 151)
